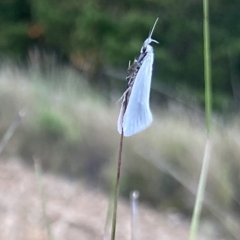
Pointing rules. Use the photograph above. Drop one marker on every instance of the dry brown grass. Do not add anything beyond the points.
(73, 132)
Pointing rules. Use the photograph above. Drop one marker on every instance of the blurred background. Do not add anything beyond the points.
(64, 64)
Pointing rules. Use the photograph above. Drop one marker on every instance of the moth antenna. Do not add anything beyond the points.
(152, 40)
(150, 34)
(149, 39)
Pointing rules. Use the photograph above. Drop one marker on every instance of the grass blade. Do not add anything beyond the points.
(11, 130)
(38, 171)
(207, 66)
(200, 191)
(208, 116)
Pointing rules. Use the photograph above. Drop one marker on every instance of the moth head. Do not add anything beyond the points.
(149, 39)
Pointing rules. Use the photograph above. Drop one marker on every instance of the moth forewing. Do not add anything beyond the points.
(138, 116)
(135, 114)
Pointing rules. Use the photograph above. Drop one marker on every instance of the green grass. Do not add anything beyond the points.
(208, 115)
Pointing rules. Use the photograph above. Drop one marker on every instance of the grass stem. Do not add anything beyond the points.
(116, 189)
(207, 66)
(134, 214)
(11, 130)
(208, 116)
(38, 171)
(200, 192)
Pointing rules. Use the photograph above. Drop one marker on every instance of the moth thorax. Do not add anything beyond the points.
(146, 47)
(149, 49)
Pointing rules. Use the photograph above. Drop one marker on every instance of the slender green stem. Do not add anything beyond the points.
(116, 189)
(38, 172)
(200, 192)
(109, 212)
(207, 66)
(208, 115)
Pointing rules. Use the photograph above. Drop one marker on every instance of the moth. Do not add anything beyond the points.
(135, 114)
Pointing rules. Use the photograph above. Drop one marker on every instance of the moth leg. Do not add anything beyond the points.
(123, 96)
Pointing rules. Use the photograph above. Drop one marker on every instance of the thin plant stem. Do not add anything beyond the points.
(208, 116)
(200, 191)
(106, 226)
(38, 172)
(109, 212)
(116, 189)
(212, 207)
(207, 66)
(11, 130)
(134, 214)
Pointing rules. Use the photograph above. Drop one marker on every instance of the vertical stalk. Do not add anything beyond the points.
(200, 192)
(116, 189)
(207, 66)
(134, 214)
(38, 172)
(208, 118)
(11, 130)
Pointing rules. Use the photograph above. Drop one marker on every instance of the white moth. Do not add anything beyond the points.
(135, 114)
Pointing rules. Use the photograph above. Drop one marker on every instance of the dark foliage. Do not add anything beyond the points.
(94, 34)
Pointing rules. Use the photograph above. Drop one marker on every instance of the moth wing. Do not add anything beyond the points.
(138, 115)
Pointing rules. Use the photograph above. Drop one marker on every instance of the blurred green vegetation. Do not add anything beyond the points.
(72, 130)
(56, 125)
(95, 34)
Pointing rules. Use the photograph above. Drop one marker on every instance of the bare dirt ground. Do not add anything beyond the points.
(74, 211)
